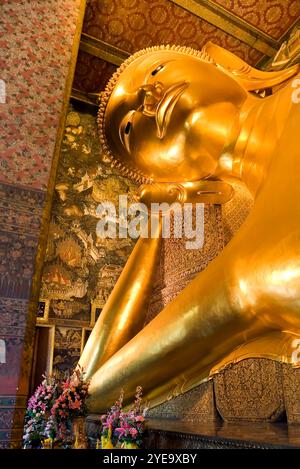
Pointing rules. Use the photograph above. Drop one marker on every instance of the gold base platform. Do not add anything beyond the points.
(253, 390)
(175, 434)
(254, 403)
(178, 434)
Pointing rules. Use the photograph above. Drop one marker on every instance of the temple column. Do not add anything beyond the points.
(39, 50)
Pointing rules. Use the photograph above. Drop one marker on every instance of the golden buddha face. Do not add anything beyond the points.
(171, 114)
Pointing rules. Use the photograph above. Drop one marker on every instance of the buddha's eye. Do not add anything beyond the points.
(127, 128)
(126, 125)
(158, 69)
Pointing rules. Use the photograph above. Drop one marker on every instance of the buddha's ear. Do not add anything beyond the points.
(250, 78)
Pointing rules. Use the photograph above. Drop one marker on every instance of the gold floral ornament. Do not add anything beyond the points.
(108, 189)
(73, 119)
(70, 252)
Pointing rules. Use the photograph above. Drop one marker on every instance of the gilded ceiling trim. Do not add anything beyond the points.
(287, 33)
(83, 97)
(101, 49)
(231, 24)
(263, 62)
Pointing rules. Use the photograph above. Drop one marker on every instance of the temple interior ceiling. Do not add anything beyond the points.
(273, 17)
(113, 29)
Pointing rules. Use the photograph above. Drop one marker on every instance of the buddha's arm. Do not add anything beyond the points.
(198, 328)
(227, 304)
(253, 286)
(124, 313)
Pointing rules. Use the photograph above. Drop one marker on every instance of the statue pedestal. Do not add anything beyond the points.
(174, 434)
(251, 404)
(197, 405)
(253, 390)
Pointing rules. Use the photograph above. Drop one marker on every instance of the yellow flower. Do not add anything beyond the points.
(48, 443)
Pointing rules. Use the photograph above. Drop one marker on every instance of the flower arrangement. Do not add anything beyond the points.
(71, 401)
(110, 422)
(52, 408)
(124, 429)
(38, 410)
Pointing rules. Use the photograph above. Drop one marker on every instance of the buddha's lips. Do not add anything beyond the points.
(166, 106)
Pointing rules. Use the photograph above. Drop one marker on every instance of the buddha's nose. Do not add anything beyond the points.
(151, 96)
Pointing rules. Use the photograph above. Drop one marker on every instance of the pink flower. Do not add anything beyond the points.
(75, 405)
(139, 418)
(126, 424)
(120, 431)
(133, 431)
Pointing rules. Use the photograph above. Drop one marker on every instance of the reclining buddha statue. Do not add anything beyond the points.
(186, 124)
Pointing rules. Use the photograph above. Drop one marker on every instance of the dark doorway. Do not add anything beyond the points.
(43, 355)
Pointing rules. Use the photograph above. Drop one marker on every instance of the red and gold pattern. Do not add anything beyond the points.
(36, 47)
(131, 25)
(135, 24)
(273, 17)
(92, 73)
(38, 37)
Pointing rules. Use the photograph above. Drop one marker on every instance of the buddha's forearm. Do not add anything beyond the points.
(124, 313)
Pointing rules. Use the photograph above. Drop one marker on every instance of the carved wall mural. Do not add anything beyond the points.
(80, 269)
(67, 346)
(135, 24)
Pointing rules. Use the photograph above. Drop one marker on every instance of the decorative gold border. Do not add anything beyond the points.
(83, 337)
(46, 313)
(94, 306)
(87, 98)
(102, 50)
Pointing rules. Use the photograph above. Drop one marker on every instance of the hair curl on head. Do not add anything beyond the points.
(133, 173)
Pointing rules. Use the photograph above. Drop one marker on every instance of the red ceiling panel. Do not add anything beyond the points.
(273, 17)
(134, 24)
(91, 73)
